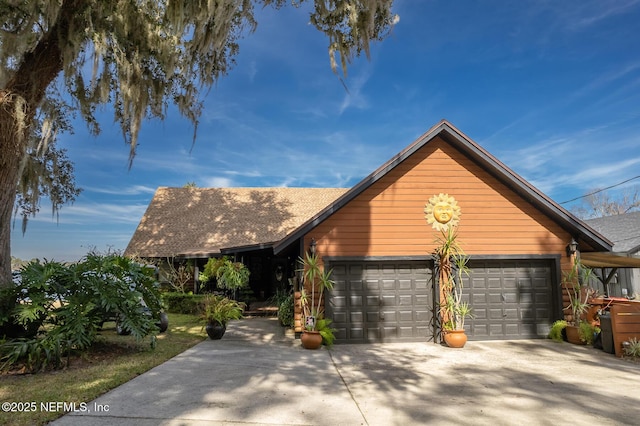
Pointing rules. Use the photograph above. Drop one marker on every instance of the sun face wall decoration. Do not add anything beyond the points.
(442, 212)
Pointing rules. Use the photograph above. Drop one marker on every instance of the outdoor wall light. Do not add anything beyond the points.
(312, 247)
(572, 247)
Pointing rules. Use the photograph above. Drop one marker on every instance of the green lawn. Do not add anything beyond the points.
(114, 360)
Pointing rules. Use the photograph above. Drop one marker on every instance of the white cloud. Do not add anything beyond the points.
(593, 13)
(130, 190)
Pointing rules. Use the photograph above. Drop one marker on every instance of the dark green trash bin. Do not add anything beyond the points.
(607, 333)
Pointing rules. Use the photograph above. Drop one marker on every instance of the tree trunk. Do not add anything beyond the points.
(19, 101)
(12, 148)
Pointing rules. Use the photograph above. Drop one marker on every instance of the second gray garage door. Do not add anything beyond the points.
(511, 299)
(378, 301)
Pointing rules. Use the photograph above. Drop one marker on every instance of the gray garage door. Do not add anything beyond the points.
(377, 301)
(510, 299)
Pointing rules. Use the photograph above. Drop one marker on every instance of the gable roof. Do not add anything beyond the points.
(623, 230)
(444, 130)
(200, 222)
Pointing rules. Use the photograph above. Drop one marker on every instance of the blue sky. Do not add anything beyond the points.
(551, 88)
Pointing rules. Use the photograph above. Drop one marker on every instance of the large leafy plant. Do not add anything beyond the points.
(229, 275)
(60, 307)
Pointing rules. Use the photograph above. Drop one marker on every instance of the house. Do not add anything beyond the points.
(624, 231)
(377, 242)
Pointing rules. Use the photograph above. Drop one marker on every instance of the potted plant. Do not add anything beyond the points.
(451, 265)
(230, 275)
(574, 283)
(217, 311)
(316, 328)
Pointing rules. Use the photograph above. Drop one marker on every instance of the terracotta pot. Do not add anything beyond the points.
(573, 336)
(455, 338)
(215, 331)
(311, 339)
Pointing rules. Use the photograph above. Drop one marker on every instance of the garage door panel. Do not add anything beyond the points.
(422, 317)
(480, 314)
(373, 334)
(421, 285)
(494, 282)
(372, 317)
(355, 301)
(540, 283)
(388, 300)
(355, 317)
(340, 316)
(355, 333)
(356, 284)
(527, 314)
(494, 298)
(421, 300)
(510, 314)
(525, 297)
(509, 283)
(339, 301)
(372, 300)
(372, 285)
(405, 300)
(509, 297)
(404, 284)
(406, 316)
(389, 316)
(389, 284)
(495, 314)
(479, 299)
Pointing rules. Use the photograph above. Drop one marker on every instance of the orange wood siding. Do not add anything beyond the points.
(387, 219)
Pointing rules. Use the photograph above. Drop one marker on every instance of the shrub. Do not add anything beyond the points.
(556, 330)
(632, 348)
(61, 307)
(182, 303)
(587, 332)
(285, 311)
(323, 326)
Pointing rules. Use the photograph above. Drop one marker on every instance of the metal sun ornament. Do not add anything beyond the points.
(442, 212)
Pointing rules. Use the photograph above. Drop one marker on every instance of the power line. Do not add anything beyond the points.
(600, 190)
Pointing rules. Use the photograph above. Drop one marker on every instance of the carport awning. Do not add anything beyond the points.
(609, 260)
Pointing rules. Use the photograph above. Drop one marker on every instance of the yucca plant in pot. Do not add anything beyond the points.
(575, 286)
(217, 311)
(451, 265)
(316, 328)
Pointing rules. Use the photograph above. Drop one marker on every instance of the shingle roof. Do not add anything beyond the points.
(204, 221)
(623, 230)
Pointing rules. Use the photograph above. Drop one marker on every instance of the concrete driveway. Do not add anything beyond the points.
(258, 375)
